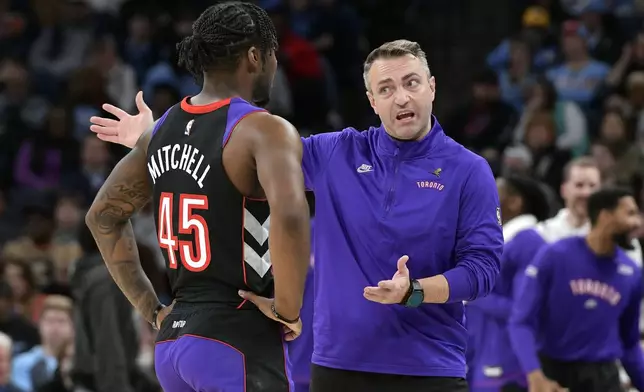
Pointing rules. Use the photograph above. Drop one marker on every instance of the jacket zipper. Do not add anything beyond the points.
(392, 184)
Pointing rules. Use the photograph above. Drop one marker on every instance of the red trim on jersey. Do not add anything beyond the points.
(256, 199)
(237, 122)
(203, 109)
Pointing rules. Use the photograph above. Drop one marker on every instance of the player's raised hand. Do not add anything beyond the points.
(291, 330)
(391, 291)
(128, 128)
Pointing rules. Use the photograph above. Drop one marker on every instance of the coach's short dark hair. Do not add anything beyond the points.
(606, 199)
(222, 34)
(535, 201)
(393, 49)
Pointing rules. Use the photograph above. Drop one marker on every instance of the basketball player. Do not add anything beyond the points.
(578, 305)
(208, 164)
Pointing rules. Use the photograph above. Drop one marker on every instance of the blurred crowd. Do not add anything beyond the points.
(569, 83)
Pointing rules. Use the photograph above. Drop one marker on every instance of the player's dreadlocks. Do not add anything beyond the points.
(224, 32)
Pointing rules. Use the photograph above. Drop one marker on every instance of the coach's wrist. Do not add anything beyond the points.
(436, 289)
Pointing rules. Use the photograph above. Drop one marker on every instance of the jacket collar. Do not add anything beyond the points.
(411, 149)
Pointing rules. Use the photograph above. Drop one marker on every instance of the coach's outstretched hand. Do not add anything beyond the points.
(128, 128)
(291, 330)
(391, 291)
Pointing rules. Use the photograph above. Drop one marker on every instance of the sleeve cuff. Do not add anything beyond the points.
(460, 288)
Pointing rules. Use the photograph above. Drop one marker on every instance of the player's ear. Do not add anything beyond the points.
(372, 102)
(254, 59)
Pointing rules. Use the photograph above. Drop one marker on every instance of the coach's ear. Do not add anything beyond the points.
(432, 87)
(372, 102)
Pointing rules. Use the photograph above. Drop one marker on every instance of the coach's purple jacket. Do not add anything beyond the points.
(376, 200)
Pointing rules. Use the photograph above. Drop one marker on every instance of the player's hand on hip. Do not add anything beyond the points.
(127, 129)
(391, 291)
(291, 330)
(163, 313)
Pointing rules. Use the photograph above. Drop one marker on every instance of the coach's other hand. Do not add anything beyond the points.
(391, 291)
(291, 330)
(128, 128)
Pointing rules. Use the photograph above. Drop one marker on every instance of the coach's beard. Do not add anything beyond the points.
(623, 240)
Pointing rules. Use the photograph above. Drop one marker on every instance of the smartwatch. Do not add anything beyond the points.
(415, 295)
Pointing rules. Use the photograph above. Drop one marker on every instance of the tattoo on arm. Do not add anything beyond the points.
(125, 191)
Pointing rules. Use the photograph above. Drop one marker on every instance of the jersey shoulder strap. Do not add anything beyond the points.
(237, 111)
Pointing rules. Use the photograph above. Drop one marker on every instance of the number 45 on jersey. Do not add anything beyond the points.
(195, 253)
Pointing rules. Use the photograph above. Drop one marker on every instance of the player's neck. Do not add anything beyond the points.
(218, 87)
(600, 243)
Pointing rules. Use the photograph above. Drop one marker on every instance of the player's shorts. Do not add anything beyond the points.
(209, 347)
(583, 376)
(324, 379)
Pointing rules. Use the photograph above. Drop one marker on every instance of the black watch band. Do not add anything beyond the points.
(409, 292)
(280, 318)
(155, 316)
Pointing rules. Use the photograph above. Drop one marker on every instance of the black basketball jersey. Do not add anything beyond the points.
(214, 240)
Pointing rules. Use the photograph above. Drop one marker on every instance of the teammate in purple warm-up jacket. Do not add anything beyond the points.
(492, 366)
(578, 306)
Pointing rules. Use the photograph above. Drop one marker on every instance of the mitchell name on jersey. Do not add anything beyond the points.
(178, 157)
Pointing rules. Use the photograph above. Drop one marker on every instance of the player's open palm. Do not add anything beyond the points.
(127, 129)
(391, 291)
(291, 330)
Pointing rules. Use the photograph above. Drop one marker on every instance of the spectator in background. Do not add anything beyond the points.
(62, 379)
(43, 158)
(62, 48)
(337, 35)
(17, 27)
(141, 52)
(634, 105)
(27, 300)
(119, 76)
(6, 348)
(570, 122)
(21, 113)
(535, 26)
(36, 367)
(95, 167)
(628, 158)
(540, 139)
(602, 45)
(86, 92)
(484, 124)
(164, 96)
(15, 325)
(34, 248)
(302, 65)
(106, 338)
(579, 78)
(517, 78)
(68, 217)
